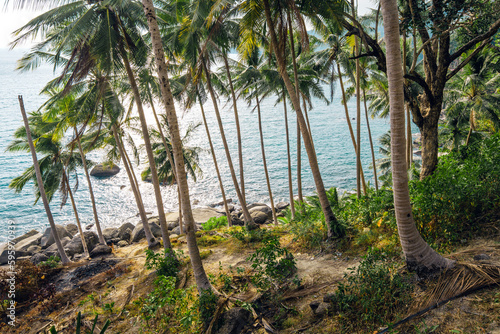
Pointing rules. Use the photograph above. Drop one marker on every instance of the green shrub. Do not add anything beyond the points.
(246, 236)
(53, 330)
(52, 262)
(214, 223)
(166, 263)
(207, 305)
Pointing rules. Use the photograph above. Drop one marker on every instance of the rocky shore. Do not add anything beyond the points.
(38, 246)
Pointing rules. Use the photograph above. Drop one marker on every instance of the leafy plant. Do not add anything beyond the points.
(214, 223)
(79, 326)
(166, 263)
(52, 262)
(207, 305)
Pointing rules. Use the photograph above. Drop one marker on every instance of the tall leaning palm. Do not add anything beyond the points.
(419, 255)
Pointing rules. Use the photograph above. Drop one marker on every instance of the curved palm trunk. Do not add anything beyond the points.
(419, 256)
(64, 258)
(290, 184)
(299, 163)
(201, 278)
(371, 142)
(77, 218)
(358, 112)
(223, 193)
(273, 209)
(171, 161)
(246, 214)
(330, 218)
(238, 130)
(135, 190)
(91, 191)
(149, 151)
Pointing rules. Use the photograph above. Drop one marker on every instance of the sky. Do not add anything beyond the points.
(12, 19)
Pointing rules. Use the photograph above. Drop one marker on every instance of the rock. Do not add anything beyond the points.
(126, 235)
(15, 255)
(72, 229)
(221, 203)
(253, 226)
(88, 227)
(24, 236)
(122, 243)
(320, 309)
(176, 230)
(234, 321)
(104, 170)
(75, 245)
(282, 205)
(138, 232)
(123, 229)
(235, 219)
(48, 238)
(261, 208)
(110, 233)
(38, 258)
(53, 247)
(34, 249)
(100, 250)
(172, 225)
(481, 257)
(26, 243)
(113, 241)
(172, 236)
(259, 217)
(254, 205)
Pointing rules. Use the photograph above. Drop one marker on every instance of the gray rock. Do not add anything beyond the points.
(100, 250)
(259, 217)
(261, 208)
(122, 243)
(38, 258)
(320, 309)
(236, 220)
(4, 255)
(113, 241)
(481, 257)
(48, 238)
(75, 245)
(105, 170)
(254, 205)
(122, 229)
(138, 232)
(230, 207)
(64, 242)
(282, 205)
(110, 233)
(126, 235)
(176, 230)
(34, 249)
(26, 243)
(72, 229)
(173, 235)
(24, 236)
(228, 200)
(172, 225)
(235, 320)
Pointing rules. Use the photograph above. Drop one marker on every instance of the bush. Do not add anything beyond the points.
(214, 223)
(247, 237)
(52, 262)
(166, 263)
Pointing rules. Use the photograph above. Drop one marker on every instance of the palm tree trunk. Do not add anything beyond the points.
(91, 191)
(290, 184)
(471, 126)
(77, 218)
(246, 214)
(152, 243)
(149, 151)
(238, 130)
(299, 163)
(171, 161)
(330, 219)
(273, 209)
(223, 193)
(409, 138)
(64, 258)
(358, 110)
(371, 142)
(201, 278)
(419, 256)
(131, 166)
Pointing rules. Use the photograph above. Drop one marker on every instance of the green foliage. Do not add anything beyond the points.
(209, 240)
(274, 265)
(166, 263)
(246, 236)
(52, 262)
(214, 223)
(207, 305)
(79, 326)
(374, 293)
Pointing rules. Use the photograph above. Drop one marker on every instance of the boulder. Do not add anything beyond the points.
(53, 247)
(122, 243)
(176, 230)
(26, 243)
(34, 249)
(4, 254)
(110, 233)
(236, 220)
(72, 229)
(235, 320)
(113, 241)
(126, 235)
(122, 231)
(319, 308)
(75, 245)
(138, 232)
(24, 236)
(48, 238)
(172, 225)
(254, 205)
(105, 170)
(282, 206)
(38, 258)
(260, 214)
(100, 250)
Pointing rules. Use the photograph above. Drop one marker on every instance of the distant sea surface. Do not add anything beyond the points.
(115, 201)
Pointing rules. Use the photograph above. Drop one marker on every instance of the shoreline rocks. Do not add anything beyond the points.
(104, 170)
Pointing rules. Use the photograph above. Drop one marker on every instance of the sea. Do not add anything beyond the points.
(115, 201)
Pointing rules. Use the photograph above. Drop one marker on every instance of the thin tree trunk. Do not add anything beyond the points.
(409, 139)
(64, 258)
(238, 129)
(419, 256)
(471, 126)
(91, 191)
(246, 214)
(358, 111)
(152, 165)
(289, 159)
(330, 219)
(152, 243)
(77, 218)
(201, 278)
(223, 193)
(273, 209)
(130, 165)
(299, 163)
(371, 142)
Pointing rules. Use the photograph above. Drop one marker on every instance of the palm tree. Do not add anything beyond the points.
(419, 255)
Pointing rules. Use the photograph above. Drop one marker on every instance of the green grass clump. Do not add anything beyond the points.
(214, 223)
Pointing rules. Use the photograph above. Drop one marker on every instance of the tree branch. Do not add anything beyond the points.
(417, 78)
(492, 31)
(462, 64)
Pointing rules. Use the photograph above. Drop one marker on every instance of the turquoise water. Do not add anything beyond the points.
(114, 198)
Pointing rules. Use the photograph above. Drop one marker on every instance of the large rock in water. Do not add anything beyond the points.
(104, 170)
(75, 246)
(48, 239)
(72, 229)
(138, 232)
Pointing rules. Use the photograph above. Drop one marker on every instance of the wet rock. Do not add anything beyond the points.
(123, 229)
(38, 258)
(26, 243)
(100, 250)
(138, 232)
(72, 229)
(104, 170)
(122, 243)
(481, 257)
(24, 236)
(75, 246)
(88, 227)
(48, 239)
(110, 233)
(235, 320)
